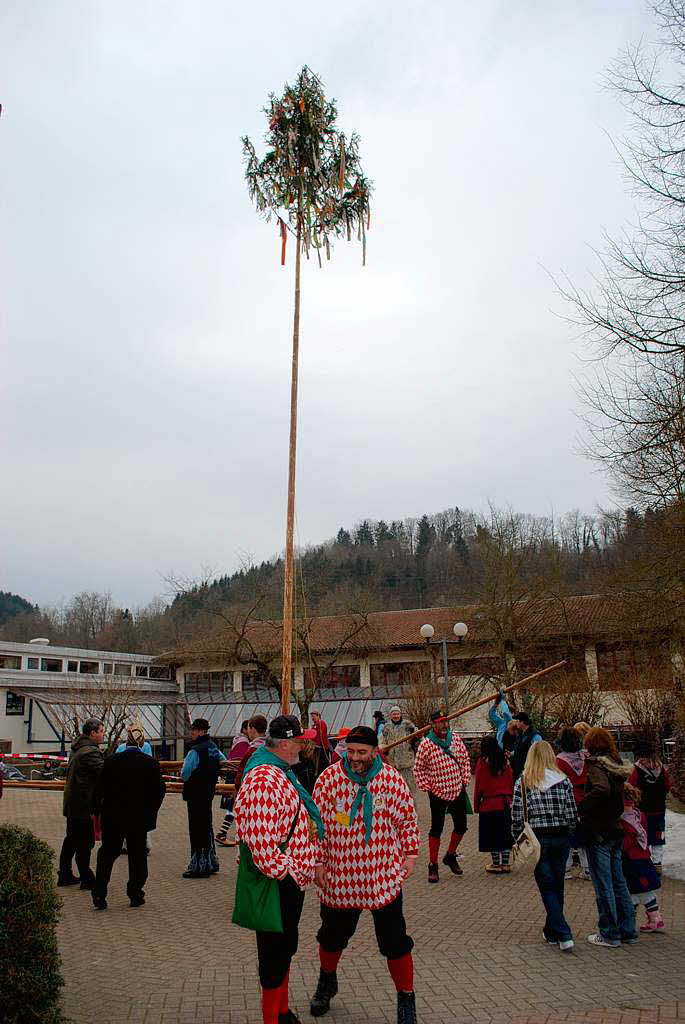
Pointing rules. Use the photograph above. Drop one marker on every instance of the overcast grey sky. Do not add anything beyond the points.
(146, 321)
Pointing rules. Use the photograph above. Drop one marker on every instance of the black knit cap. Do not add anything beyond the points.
(362, 734)
(201, 724)
(437, 715)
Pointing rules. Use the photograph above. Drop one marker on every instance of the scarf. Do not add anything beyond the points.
(263, 756)
(444, 744)
(363, 796)
(651, 768)
(633, 818)
(575, 760)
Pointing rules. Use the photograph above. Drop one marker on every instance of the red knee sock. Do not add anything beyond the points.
(271, 1004)
(283, 1008)
(455, 839)
(433, 849)
(329, 961)
(402, 972)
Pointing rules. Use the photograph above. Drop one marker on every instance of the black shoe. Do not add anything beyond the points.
(433, 875)
(87, 885)
(325, 990)
(288, 1018)
(137, 901)
(450, 859)
(99, 902)
(69, 880)
(191, 870)
(406, 1008)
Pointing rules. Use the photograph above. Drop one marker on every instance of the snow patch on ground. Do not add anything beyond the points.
(674, 853)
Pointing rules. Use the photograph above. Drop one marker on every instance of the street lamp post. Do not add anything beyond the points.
(460, 629)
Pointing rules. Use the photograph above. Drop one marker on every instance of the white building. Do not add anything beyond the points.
(40, 687)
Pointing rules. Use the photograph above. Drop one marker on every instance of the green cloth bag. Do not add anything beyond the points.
(257, 902)
(469, 805)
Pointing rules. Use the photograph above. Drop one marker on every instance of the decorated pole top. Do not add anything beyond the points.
(310, 177)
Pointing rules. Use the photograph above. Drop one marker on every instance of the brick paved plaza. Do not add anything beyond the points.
(478, 947)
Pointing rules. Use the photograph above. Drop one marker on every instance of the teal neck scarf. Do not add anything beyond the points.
(363, 796)
(444, 743)
(265, 756)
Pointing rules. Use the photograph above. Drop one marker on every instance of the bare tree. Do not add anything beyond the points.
(114, 701)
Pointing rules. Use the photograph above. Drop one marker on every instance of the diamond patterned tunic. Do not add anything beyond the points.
(265, 807)
(358, 874)
(437, 773)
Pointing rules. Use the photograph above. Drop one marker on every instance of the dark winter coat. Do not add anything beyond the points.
(601, 808)
(83, 772)
(129, 791)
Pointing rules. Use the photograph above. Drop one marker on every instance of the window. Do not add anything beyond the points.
(337, 675)
(51, 664)
(159, 672)
(89, 668)
(398, 673)
(122, 669)
(72, 666)
(14, 704)
(209, 683)
(141, 671)
(10, 661)
(107, 668)
(32, 662)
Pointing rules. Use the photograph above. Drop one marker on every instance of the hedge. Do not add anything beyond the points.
(30, 979)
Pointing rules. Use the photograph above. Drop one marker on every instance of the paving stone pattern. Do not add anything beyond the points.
(478, 947)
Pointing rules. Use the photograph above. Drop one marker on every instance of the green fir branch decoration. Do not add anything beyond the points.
(311, 174)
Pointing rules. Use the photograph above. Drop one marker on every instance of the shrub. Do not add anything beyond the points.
(30, 978)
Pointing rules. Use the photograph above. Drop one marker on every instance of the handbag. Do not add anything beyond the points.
(526, 849)
(257, 902)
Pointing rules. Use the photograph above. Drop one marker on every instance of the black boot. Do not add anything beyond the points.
(325, 990)
(450, 859)
(288, 1018)
(191, 870)
(433, 875)
(67, 880)
(406, 1008)
(203, 866)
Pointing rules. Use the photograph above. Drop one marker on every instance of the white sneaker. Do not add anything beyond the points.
(585, 876)
(597, 940)
(566, 946)
(569, 874)
(550, 942)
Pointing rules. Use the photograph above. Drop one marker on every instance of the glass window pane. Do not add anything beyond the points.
(32, 662)
(51, 664)
(10, 661)
(72, 666)
(90, 668)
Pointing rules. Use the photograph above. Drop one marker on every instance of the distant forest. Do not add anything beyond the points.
(452, 557)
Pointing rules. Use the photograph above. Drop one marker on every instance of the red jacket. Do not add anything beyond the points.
(321, 739)
(574, 766)
(631, 845)
(492, 792)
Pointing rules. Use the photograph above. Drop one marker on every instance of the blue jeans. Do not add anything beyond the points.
(614, 904)
(549, 875)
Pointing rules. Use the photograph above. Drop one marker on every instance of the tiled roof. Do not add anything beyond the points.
(592, 616)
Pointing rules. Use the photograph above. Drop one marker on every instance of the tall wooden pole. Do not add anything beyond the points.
(290, 521)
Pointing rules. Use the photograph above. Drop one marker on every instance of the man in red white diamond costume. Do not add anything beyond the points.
(370, 844)
(443, 769)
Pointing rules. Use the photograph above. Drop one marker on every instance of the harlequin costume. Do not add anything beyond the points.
(371, 828)
(443, 769)
(273, 814)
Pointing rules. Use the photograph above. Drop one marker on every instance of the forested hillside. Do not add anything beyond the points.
(451, 557)
(11, 605)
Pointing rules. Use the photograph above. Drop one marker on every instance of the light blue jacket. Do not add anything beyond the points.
(146, 748)
(191, 761)
(499, 716)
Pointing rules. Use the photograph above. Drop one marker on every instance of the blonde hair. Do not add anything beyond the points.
(540, 757)
(582, 728)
